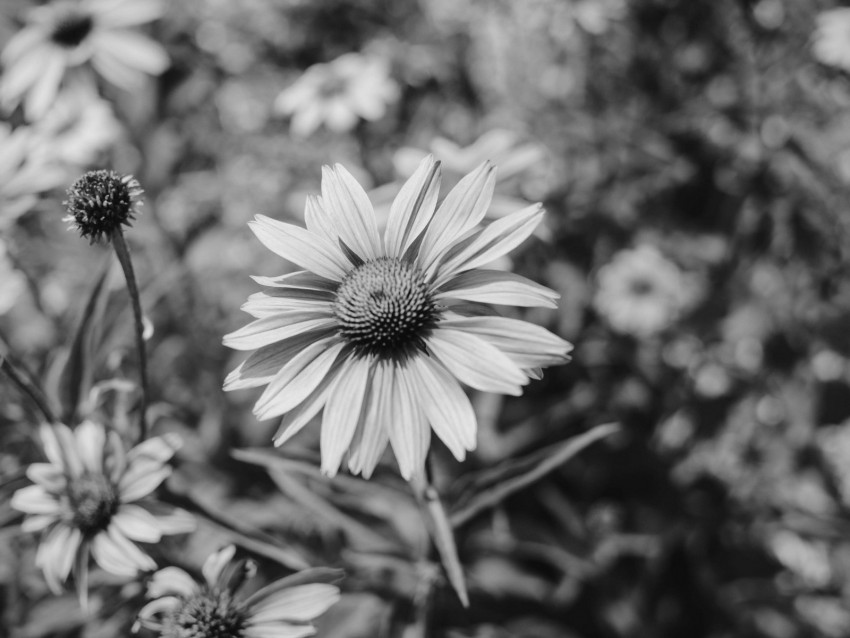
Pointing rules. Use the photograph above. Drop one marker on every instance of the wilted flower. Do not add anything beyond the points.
(90, 498)
(831, 39)
(184, 608)
(338, 94)
(66, 34)
(379, 331)
(640, 291)
(23, 173)
(101, 202)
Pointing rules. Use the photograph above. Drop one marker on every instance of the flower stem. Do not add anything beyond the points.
(27, 387)
(441, 533)
(123, 253)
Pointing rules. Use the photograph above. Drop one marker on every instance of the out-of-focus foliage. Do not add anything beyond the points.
(708, 134)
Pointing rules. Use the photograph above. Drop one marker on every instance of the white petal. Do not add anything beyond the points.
(49, 476)
(171, 580)
(349, 207)
(300, 279)
(301, 247)
(497, 287)
(496, 240)
(137, 524)
(295, 420)
(370, 439)
(297, 379)
(158, 448)
(114, 553)
(277, 630)
(60, 448)
(318, 220)
(133, 49)
(33, 499)
(342, 412)
(298, 604)
(413, 207)
(260, 368)
(216, 562)
(268, 330)
(446, 405)
(527, 344)
(147, 616)
(461, 211)
(38, 522)
(42, 94)
(130, 13)
(475, 362)
(141, 480)
(289, 303)
(91, 444)
(404, 425)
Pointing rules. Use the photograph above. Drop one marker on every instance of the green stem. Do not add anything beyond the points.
(20, 380)
(123, 253)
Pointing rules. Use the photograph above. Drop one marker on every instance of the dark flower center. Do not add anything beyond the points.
(94, 501)
(210, 614)
(642, 287)
(384, 308)
(100, 202)
(71, 29)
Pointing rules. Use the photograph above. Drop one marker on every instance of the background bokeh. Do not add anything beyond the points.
(694, 160)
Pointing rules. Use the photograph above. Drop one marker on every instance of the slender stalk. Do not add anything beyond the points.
(27, 387)
(123, 253)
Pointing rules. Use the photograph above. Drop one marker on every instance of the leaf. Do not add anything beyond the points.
(495, 494)
(70, 375)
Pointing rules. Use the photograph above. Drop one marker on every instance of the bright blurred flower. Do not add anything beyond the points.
(641, 292)
(23, 173)
(90, 498)
(66, 34)
(831, 39)
(381, 331)
(77, 129)
(183, 608)
(502, 147)
(338, 94)
(12, 281)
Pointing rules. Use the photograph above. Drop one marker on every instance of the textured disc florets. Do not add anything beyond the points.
(384, 308)
(94, 500)
(210, 614)
(101, 202)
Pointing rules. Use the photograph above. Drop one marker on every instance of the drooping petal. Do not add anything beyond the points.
(405, 424)
(56, 553)
(342, 412)
(497, 287)
(475, 362)
(347, 204)
(371, 438)
(300, 279)
(141, 480)
(301, 247)
(496, 240)
(42, 94)
(295, 420)
(461, 211)
(60, 448)
(413, 207)
(288, 304)
(49, 476)
(297, 379)
(114, 553)
(132, 49)
(445, 404)
(38, 522)
(149, 614)
(277, 630)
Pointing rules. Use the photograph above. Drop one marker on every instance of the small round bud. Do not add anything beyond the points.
(100, 202)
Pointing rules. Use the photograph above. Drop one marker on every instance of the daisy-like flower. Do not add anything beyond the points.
(184, 608)
(66, 34)
(90, 499)
(831, 39)
(380, 331)
(641, 292)
(338, 94)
